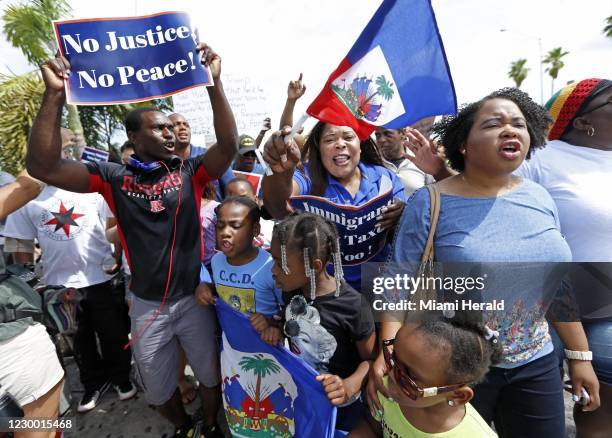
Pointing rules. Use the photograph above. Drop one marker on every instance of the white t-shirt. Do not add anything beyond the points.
(579, 179)
(411, 176)
(70, 229)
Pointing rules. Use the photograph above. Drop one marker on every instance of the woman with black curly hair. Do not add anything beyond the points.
(339, 167)
(489, 215)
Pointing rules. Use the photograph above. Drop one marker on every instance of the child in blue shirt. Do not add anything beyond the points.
(241, 272)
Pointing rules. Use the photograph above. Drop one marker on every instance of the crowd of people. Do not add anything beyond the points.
(506, 185)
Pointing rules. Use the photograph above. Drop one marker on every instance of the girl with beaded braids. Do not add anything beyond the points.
(340, 168)
(487, 216)
(328, 323)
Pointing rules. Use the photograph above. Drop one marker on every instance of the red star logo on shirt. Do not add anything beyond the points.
(64, 219)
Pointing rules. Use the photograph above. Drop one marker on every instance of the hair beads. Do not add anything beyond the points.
(338, 272)
(310, 273)
(317, 238)
(282, 235)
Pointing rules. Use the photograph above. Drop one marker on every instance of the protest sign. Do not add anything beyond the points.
(360, 237)
(246, 96)
(253, 178)
(131, 59)
(268, 391)
(92, 155)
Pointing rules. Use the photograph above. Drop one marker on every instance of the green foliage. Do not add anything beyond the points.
(555, 64)
(260, 365)
(384, 88)
(518, 72)
(608, 29)
(553, 59)
(20, 98)
(28, 27)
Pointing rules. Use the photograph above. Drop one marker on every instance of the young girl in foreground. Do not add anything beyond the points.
(328, 323)
(433, 363)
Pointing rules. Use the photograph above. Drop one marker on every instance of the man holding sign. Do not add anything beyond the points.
(156, 201)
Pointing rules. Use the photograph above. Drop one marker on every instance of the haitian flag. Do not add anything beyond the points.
(267, 391)
(394, 75)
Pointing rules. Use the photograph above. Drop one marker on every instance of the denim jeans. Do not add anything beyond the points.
(526, 401)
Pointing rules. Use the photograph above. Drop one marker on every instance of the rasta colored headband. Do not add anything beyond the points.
(567, 103)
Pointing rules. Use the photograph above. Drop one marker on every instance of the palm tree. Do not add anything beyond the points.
(261, 367)
(28, 27)
(608, 29)
(384, 88)
(518, 72)
(20, 98)
(553, 59)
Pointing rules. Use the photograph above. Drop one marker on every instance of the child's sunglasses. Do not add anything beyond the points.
(407, 383)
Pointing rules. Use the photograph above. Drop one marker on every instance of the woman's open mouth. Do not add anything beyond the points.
(342, 160)
(510, 150)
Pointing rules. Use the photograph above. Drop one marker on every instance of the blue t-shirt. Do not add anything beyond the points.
(219, 183)
(369, 188)
(248, 288)
(521, 227)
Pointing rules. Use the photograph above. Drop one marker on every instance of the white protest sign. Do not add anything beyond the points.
(246, 97)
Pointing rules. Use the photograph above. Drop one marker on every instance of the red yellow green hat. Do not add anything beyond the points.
(566, 103)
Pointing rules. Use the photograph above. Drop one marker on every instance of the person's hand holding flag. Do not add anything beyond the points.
(279, 155)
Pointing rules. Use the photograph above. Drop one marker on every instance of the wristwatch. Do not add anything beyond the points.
(579, 355)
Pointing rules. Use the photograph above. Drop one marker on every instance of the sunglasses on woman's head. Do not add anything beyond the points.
(407, 383)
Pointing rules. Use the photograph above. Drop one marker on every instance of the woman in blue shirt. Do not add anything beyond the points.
(488, 215)
(340, 168)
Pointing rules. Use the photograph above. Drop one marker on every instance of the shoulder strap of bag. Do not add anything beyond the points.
(434, 214)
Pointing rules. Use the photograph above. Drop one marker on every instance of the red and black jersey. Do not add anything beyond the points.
(153, 226)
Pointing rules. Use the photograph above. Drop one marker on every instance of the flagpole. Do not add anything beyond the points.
(296, 127)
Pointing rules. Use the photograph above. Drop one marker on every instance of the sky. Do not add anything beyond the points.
(274, 40)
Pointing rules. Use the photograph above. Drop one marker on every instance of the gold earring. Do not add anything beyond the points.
(591, 131)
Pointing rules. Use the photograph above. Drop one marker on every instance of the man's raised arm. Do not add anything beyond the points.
(219, 156)
(43, 159)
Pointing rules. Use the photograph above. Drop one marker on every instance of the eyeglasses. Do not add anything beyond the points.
(608, 102)
(407, 383)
